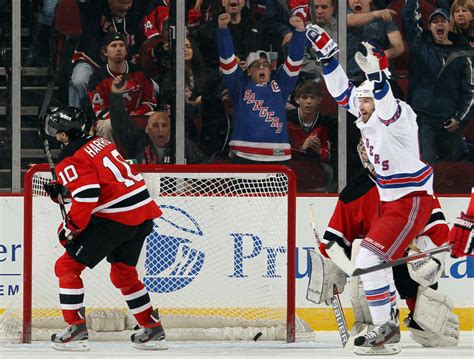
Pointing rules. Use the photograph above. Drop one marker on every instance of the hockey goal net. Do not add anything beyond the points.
(219, 263)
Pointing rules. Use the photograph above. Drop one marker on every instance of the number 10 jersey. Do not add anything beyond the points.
(103, 184)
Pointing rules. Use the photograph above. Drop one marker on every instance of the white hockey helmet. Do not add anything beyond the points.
(365, 89)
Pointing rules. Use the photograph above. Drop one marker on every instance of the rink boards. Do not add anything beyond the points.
(457, 281)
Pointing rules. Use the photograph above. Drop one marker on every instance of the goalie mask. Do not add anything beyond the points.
(64, 119)
(364, 158)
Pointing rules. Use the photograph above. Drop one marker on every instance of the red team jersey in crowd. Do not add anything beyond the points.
(103, 184)
(139, 95)
(358, 208)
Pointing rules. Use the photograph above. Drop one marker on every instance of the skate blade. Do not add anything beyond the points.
(76, 346)
(386, 349)
(152, 345)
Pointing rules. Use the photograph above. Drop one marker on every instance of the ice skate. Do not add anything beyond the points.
(150, 338)
(381, 340)
(73, 338)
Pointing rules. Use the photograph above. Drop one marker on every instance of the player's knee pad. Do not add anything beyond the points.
(123, 275)
(366, 258)
(67, 266)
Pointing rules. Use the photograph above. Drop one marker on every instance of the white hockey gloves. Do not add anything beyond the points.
(427, 270)
(323, 277)
(374, 64)
(319, 39)
(433, 313)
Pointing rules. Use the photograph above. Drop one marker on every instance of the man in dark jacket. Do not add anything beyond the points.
(441, 82)
(152, 144)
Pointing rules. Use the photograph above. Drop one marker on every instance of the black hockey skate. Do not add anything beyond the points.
(150, 338)
(381, 340)
(73, 338)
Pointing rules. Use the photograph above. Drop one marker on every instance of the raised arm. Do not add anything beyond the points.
(337, 82)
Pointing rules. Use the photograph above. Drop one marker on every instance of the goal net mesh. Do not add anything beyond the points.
(215, 263)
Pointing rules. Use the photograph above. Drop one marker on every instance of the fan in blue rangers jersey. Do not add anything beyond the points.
(260, 131)
(405, 183)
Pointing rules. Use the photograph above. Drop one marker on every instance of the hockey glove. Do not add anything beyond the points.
(461, 236)
(67, 231)
(374, 63)
(319, 39)
(55, 188)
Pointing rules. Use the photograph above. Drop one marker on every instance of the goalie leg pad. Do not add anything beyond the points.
(362, 317)
(433, 313)
(324, 275)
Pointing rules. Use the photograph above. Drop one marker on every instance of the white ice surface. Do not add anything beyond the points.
(327, 346)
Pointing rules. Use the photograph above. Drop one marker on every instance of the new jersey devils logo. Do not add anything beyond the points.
(171, 262)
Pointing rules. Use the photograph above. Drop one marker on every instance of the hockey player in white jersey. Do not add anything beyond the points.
(405, 183)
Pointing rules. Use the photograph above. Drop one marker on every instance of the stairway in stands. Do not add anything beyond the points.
(33, 86)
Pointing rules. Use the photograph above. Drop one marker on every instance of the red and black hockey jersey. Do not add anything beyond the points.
(139, 95)
(358, 207)
(103, 184)
(97, 20)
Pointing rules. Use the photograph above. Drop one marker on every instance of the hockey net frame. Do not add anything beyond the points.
(26, 335)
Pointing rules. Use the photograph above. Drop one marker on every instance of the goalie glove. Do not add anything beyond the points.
(55, 188)
(322, 279)
(319, 39)
(374, 64)
(461, 236)
(67, 231)
(425, 271)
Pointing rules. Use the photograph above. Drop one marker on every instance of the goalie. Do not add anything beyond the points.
(416, 282)
(405, 183)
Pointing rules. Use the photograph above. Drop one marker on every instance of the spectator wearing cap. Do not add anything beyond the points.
(148, 140)
(98, 18)
(309, 132)
(260, 129)
(441, 82)
(462, 19)
(138, 96)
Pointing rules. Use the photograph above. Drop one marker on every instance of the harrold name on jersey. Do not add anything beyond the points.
(96, 146)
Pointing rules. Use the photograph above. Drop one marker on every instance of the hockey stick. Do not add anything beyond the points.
(47, 150)
(339, 257)
(335, 300)
(312, 14)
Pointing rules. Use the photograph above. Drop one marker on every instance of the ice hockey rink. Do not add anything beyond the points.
(327, 345)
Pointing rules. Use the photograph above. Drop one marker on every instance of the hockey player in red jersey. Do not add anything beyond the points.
(405, 183)
(110, 216)
(356, 211)
(462, 234)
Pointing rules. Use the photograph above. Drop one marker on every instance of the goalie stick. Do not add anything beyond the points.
(335, 300)
(47, 151)
(339, 257)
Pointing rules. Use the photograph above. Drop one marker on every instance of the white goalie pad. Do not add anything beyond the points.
(433, 313)
(427, 270)
(323, 277)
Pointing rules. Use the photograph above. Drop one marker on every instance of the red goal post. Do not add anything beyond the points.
(248, 210)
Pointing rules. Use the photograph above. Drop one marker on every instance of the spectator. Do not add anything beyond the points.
(97, 19)
(375, 26)
(309, 139)
(139, 95)
(40, 51)
(260, 132)
(244, 30)
(151, 145)
(441, 87)
(461, 19)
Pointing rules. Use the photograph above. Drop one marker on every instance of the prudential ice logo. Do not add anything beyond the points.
(171, 263)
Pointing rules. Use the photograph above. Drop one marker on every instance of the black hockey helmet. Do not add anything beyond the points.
(65, 119)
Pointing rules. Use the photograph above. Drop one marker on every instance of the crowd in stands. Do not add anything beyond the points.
(253, 87)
